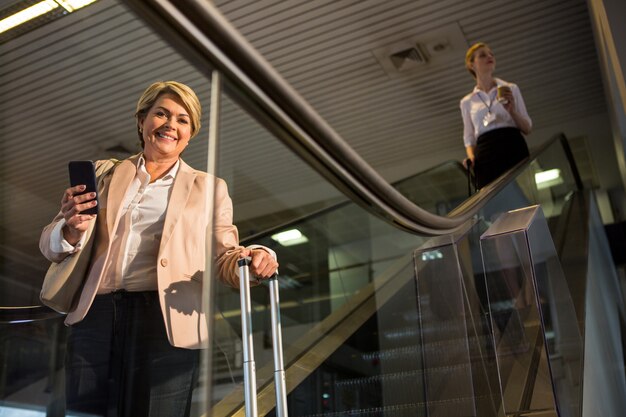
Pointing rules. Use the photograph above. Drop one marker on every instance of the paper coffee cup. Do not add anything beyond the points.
(502, 90)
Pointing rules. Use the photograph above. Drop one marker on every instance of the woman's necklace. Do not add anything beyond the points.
(489, 117)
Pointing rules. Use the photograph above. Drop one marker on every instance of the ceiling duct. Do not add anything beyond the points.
(416, 53)
(408, 58)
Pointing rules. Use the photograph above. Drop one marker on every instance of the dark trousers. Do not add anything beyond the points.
(497, 151)
(120, 363)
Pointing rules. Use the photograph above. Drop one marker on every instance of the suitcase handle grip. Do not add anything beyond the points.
(248, 351)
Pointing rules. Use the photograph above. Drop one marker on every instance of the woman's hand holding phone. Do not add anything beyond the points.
(73, 203)
(79, 204)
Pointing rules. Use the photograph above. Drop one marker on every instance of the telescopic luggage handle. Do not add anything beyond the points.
(249, 367)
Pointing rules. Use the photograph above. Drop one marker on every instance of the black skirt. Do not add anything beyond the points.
(496, 152)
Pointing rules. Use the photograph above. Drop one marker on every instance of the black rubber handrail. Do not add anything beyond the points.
(320, 212)
(485, 194)
(40, 312)
(572, 163)
(25, 314)
(199, 31)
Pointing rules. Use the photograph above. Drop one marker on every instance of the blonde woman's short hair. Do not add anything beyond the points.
(180, 90)
(469, 56)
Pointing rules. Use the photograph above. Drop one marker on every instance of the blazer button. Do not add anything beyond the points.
(164, 262)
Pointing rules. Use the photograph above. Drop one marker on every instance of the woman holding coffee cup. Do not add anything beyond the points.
(494, 118)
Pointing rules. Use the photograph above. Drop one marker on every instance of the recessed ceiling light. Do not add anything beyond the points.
(25, 16)
(290, 237)
(71, 5)
(548, 178)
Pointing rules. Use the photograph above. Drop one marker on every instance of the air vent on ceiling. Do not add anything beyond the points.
(415, 53)
(408, 58)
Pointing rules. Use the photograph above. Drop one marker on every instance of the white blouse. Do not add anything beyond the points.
(482, 112)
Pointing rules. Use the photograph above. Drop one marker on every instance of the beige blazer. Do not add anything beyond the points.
(181, 258)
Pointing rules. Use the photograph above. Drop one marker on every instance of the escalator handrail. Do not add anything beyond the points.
(496, 186)
(478, 200)
(320, 212)
(40, 312)
(23, 314)
(198, 30)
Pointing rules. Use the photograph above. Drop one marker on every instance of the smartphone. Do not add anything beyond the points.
(84, 173)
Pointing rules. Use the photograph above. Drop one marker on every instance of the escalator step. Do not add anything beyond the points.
(400, 377)
(459, 407)
(440, 331)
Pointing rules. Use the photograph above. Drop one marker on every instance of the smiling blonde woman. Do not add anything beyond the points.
(138, 322)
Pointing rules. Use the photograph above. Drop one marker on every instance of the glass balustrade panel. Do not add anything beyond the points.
(439, 189)
(329, 260)
(71, 82)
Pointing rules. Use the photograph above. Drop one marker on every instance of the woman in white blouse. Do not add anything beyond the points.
(494, 118)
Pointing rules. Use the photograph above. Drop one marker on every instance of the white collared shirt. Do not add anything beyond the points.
(135, 243)
(476, 106)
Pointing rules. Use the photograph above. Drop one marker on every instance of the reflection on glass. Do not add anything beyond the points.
(524, 190)
(460, 371)
(32, 358)
(339, 253)
(551, 178)
(342, 254)
(438, 190)
(535, 328)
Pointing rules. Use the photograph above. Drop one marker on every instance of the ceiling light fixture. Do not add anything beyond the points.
(548, 178)
(27, 14)
(71, 5)
(39, 13)
(432, 255)
(290, 237)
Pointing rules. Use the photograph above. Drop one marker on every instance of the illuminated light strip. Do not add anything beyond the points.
(14, 409)
(40, 9)
(27, 14)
